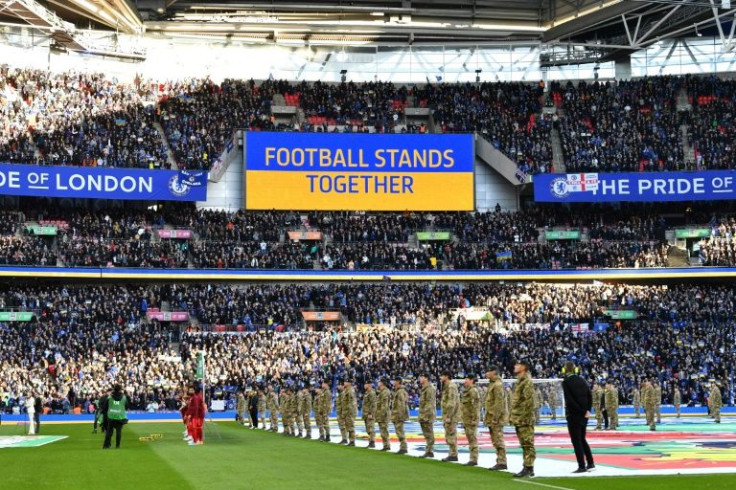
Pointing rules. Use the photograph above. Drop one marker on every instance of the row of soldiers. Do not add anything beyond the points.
(606, 400)
(388, 403)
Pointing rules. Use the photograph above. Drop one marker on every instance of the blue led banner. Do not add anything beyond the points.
(103, 183)
(647, 186)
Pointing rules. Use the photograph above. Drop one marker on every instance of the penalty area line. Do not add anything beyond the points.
(529, 482)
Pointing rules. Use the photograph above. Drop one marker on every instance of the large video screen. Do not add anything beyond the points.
(360, 172)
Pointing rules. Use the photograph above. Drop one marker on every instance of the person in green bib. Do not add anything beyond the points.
(115, 406)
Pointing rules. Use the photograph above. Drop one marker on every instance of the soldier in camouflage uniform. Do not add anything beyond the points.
(553, 402)
(611, 398)
(262, 407)
(324, 406)
(658, 397)
(383, 410)
(495, 416)
(272, 404)
(470, 415)
(400, 413)
(676, 399)
(339, 401)
(288, 409)
(715, 402)
(350, 406)
(649, 400)
(450, 406)
(304, 412)
(522, 416)
(427, 413)
(598, 406)
(240, 408)
(370, 404)
(636, 400)
(537, 405)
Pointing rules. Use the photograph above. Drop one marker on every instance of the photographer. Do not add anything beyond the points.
(115, 407)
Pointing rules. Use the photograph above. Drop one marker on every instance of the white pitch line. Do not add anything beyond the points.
(529, 482)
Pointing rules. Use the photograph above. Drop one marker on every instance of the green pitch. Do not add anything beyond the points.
(253, 459)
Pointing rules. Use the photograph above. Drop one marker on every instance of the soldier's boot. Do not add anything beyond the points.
(498, 467)
(300, 434)
(351, 443)
(371, 445)
(386, 448)
(308, 435)
(526, 472)
(450, 459)
(471, 463)
(402, 451)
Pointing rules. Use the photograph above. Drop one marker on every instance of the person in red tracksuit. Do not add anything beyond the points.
(195, 416)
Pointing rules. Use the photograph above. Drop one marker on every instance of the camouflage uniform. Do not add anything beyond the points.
(382, 415)
(677, 401)
(339, 401)
(495, 418)
(658, 397)
(598, 406)
(272, 404)
(470, 414)
(262, 408)
(350, 411)
(649, 400)
(450, 414)
(240, 408)
(553, 402)
(636, 399)
(715, 402)
(370, 404)
(522, 417)
(304, 411)
(611, 398)
(287, 412)
(428, 414)
(322, 411)
(400, 414)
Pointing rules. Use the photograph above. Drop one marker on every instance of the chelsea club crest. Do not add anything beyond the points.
(559, 188)
(178, 187)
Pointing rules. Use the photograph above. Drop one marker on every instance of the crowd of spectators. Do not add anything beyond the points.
(625, 126)
(87, 119)
(84, 338)
(129, 237)
(712, 128)
(78, 119)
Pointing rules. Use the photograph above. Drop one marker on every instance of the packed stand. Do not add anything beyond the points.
(78, 119)
(85, 338)
(624, 126)
(712, 128)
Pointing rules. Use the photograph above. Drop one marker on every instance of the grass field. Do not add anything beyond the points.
(253, 459)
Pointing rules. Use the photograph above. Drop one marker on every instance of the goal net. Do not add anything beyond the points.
(550, 398)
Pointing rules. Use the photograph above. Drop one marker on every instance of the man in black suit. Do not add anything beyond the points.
(578, 403)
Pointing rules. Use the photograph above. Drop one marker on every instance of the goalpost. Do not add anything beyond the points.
(550, 398)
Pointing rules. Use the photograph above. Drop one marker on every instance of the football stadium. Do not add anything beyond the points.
(372, 244)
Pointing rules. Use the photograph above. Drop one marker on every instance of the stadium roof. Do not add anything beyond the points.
(603, 28)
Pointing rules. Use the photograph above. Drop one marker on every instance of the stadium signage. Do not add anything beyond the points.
(39, 230)
(562, 235)
(692, 233)
(305, 235)
(168, 316)
(102, 183)
(16, 316)
(433, 235)
(644, 187)
(321, 316)
(386, 172)
(175, 234)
